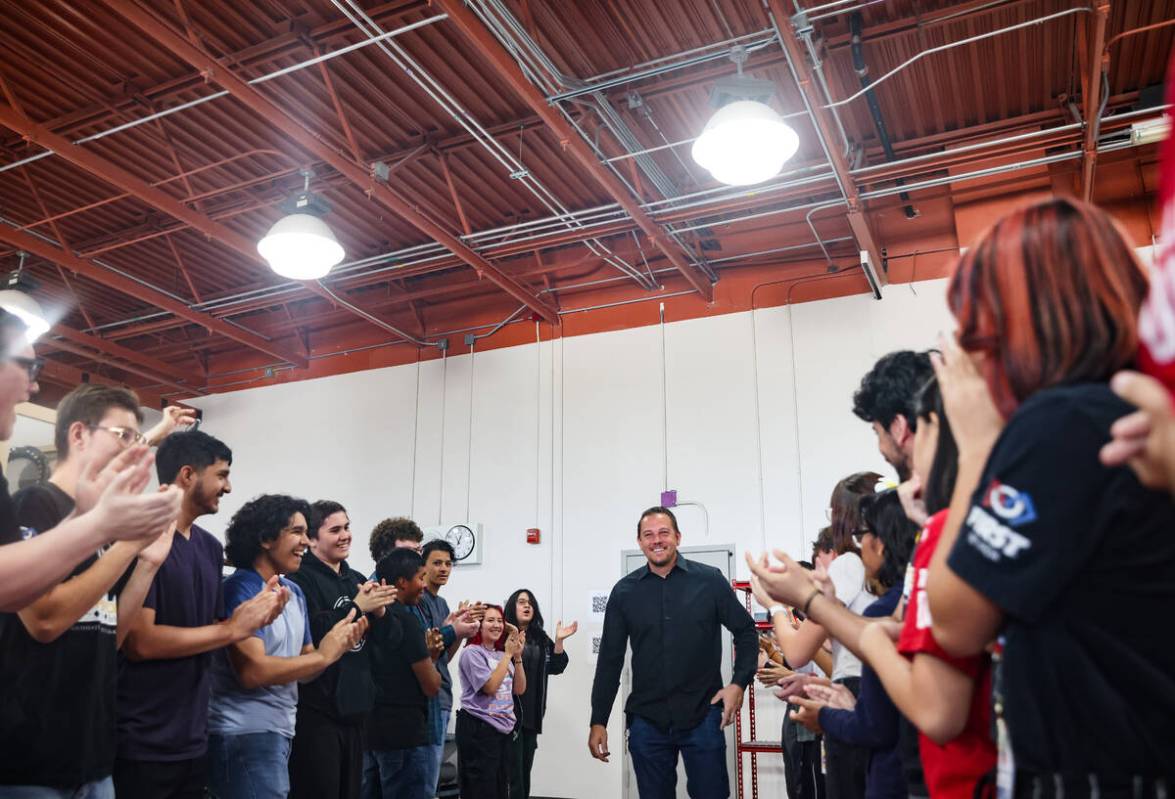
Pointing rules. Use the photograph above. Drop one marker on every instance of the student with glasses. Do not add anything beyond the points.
(111, 505)
(60, 652)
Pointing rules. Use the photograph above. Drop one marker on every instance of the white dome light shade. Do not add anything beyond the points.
(28, 310)
(745, 143)
(301, 247)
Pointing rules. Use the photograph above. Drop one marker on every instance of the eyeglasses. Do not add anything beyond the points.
(859, 536)
(125, 435)
(31, 365)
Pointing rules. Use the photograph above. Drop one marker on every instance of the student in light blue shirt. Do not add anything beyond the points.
(254, 682)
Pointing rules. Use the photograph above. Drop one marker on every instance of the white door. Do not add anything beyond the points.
(721, 557)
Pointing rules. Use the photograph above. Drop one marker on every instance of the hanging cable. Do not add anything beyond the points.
(469, 439)
(444, 398)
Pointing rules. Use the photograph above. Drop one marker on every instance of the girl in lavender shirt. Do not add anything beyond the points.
(490, 680)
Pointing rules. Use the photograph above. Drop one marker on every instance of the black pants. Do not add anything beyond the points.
(846, 764)
(326, 761)
(149, 779)
(483, 759)
(525, 742)
(802, 769)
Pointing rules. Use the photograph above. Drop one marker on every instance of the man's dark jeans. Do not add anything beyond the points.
(702, 748)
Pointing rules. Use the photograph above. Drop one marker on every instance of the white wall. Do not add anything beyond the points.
(570, 437)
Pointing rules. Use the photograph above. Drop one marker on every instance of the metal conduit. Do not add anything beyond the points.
(951, 45)
(652, 206)
(403, 60)
(134, 123)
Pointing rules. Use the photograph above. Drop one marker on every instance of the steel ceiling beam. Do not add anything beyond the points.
(1097, 62)
(140, 189)
(70, 376)
(823, 123)
(313, 145)
(133, 288)
(506, 68)
(159, 370)
(131, 367)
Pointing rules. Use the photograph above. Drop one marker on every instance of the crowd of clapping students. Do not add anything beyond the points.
(130, 666)
(998, 621)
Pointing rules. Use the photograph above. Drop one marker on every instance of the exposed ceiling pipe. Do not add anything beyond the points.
(483, 41)
(515, 169)
(704, 204)
(862, 71)
(961, 42)
(790, 44)
(134, 123)
(309, 142)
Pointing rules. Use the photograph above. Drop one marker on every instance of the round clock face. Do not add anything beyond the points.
(462, 540)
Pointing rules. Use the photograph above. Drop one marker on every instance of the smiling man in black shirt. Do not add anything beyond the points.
(671, 610)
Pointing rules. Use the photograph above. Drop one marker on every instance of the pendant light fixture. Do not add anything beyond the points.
(746, 141)
(16, 299)
(300, 245)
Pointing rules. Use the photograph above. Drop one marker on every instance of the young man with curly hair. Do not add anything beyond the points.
(254, 699)
(392, 534)
(163, 683)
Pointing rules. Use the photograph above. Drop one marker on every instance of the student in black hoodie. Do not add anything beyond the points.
(327, 757)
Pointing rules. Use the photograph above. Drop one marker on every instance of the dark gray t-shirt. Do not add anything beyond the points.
(436, 610)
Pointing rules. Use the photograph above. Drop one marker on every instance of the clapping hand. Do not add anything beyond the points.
(796, 684)
(174, 417)
(976, 422)
(1145, 439)
(435, 642)
(787, 582)
(98, 470)
(834, 695)
(374, 597)
(154, 552)
(261, 610)
(563, 633)
(771, 673)
(807, 713)
(342, 637)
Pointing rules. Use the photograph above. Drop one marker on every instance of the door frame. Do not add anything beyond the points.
(628, 781)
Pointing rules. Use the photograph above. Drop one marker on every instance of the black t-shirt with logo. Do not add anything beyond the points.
(400, 718)
(57, 708)
(1081, 560)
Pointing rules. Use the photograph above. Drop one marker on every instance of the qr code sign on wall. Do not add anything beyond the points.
(599, 603)
(596, 644)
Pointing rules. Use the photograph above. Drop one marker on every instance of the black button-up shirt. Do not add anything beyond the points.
(676, 645)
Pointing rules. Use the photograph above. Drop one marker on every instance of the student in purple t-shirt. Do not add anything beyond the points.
(490, 680)
(164, 681)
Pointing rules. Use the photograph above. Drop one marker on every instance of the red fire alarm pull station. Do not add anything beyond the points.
(532, 535)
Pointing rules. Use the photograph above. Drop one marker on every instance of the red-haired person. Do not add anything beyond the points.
(1070, 563)
(490, 679)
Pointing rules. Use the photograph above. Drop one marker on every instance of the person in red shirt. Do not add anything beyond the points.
(945, 697)
(1146, 438)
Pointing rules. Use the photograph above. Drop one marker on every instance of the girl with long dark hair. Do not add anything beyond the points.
(541, 658)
